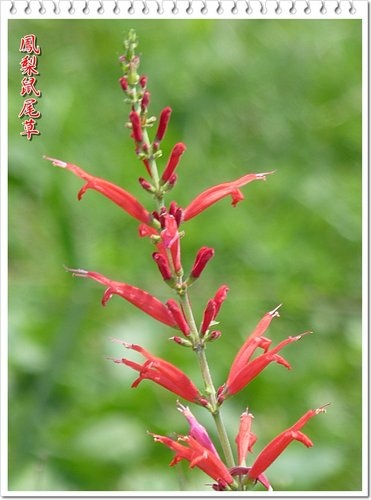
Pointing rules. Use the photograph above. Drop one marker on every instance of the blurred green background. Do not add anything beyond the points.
(247, 96)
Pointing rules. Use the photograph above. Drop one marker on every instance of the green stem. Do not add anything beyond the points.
(208, 382)
(223, 437)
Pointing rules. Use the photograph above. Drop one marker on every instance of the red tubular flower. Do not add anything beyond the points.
(178, 316)
(198, 456)
(202, 258)
(175, 155)
(197, 431)
(162, 373)
(136, 126)
(240, 376)
(219, 298)
(245, 439)
(115, 193)
(216, 193)
(170, 238)
(139, 298)
(163, 123)
(254, 341)
(269, 454)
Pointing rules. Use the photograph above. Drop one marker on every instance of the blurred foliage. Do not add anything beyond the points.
(247, 96)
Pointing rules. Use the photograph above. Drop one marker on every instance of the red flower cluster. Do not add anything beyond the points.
(243, 370)
(162, 373)
(200, 452)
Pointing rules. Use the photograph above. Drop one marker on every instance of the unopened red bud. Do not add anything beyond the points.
(156, 215)
(145, 184)
(181, 341)
(173, 208)
(145, 100)
(220, 297)
(178, 316)
(214, 335)
(172, 180)
(175, 155)
(162, 125)
(163, 265)
(143, 81)
(209, 316)
(202, 258)
(147, 165)
(179, 216)
(137, 128)
(124, 83)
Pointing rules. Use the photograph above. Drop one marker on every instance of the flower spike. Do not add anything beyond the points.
(216, 193)
(163, 227)
(115, 193)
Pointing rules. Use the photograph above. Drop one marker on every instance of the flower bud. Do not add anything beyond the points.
(146, 185)
(181, 341)
(162, 126)
(179, 216)
(145, 100)
(163, 265)
(202, 258)
(147, 165)
(173, 208)
(209, 316)
(175, 155)
(124, 83)
(214, 335)
(137, 128)
(170, 183)
(178, 316)
(143, 81)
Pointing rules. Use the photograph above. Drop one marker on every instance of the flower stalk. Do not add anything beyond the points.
(163, 226)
